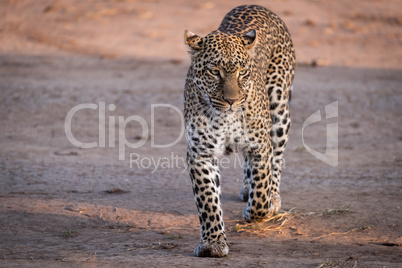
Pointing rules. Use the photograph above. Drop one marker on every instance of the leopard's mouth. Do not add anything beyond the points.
(222, 105)
(225, 107)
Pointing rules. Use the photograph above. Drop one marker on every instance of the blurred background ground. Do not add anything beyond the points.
(65, 206)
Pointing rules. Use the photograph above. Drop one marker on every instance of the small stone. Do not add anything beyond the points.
(319, 63)
(309, 22)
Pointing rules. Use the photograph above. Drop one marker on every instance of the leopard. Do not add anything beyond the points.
(236, 100)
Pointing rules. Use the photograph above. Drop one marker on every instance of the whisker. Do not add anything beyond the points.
(209, 112)
(195, 107)
(244, 123)
(202, 111)
(212, 114)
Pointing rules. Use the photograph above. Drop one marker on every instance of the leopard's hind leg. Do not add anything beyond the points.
(279, 83)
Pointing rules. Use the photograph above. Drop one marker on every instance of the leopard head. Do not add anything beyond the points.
(221, 68)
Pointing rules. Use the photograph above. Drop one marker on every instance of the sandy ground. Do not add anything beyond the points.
(65, 206)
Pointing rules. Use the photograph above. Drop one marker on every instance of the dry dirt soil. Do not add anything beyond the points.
(62, 206)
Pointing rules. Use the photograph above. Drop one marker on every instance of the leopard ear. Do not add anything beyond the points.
(192, 40)
(250, 39)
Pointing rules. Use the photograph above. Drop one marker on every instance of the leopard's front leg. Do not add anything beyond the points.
(205, 178)
(259, 177)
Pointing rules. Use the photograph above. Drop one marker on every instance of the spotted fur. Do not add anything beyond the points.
(237, 97)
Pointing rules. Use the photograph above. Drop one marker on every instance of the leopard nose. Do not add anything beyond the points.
(230, 101)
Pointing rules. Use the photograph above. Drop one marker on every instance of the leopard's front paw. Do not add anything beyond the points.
(247, 214)
(275, 204)
(217, 249)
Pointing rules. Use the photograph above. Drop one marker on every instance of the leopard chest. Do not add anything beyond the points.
(218, 135)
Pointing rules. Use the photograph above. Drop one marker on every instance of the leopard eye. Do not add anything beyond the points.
(215, 72)
(243, 72)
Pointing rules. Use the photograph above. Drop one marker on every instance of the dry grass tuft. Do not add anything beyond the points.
(275, 222)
